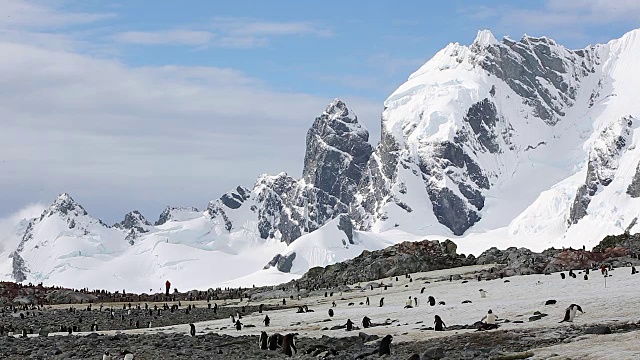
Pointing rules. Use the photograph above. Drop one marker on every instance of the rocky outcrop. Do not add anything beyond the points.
(400, 259)
(634, 187)
(282, 262)
(134, 221)
(337, 152)
(174, 213)
(602, 165)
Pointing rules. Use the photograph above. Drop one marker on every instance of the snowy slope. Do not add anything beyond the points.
(498, 143)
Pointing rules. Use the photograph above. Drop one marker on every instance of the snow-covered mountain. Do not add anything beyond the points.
(498, 143)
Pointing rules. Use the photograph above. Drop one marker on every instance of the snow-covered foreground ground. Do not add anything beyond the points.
(515, 300)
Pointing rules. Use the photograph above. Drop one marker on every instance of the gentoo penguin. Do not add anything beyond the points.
(366, 322)
(483, 293)
(288, 344)
(432, 301)
(439, 324)
(262, 341)
(127, 355)
(238, 325)
(273, 341)
(381, 302)
(422, 290)
(385, 345)
(570, 312)
(106, 356)
(349, 325)
(266, 320)
(192, 331)
(562, 276)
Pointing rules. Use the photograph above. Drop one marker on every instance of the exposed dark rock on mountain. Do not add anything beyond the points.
(170, 212)
(337, 152)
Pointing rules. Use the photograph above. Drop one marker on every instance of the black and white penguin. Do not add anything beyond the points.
(192, 330)
(381, 302)
(289, 345)
(106, 356)
(432, 301)
(366, 322)
(570, 312)
(262, 341)
(128, 355)
(422, 290)
(274, 341)
(562, 276)
(238, 325)
(349, 325)
(439, 324)
(385, 345)
(367, 302)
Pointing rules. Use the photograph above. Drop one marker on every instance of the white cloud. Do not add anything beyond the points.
(566, 19)
(40, 15)
(225, 32)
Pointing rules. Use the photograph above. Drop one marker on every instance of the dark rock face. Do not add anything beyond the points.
(234, 199)
(133, 221)
(337, 152)
(523, 64)
(400, 259)
(19, 267)
(169, 213)
(634, 188)
(482, 117)
(346, 226)
(65, 205)
(282, 262)
(603, 162)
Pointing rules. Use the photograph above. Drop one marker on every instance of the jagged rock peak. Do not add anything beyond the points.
(65, 205)
(338, 110)
(337, 152)
(173, 212)
(485, 38)
(133, 219)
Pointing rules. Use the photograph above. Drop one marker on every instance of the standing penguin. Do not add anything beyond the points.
(262, 341)
(367, 302)
(266, 320)
(415, 300)
(127, 355)
(483, 293)
(422, 290)
(233, 319)
(562, 276)
(273, 341)
(289, 344)
(385, 345)
(330, 312)
(106, 356)
(570, 312)
(238, 325)
(192, 331)
(432, 301)
(366, 322)
(439, 324)
(349, 325)
(381, 302)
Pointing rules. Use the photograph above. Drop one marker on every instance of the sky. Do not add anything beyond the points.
(142, 104)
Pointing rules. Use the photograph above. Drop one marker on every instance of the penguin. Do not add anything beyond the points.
(439, 324)
(106, 356)
(432, 301)
(330, 312)
(562, 276)
(367, 302)
(192, 330)
(288, 344)
(127, 355)
(366, 322)
(349, 325)
(415, 300)
(550, 302)
(233, 319)
(238, 325)
(570, 312)
(266, 320)
(262, 341)
(260, 308)
(586, 277)
(273, 341)
(633, 270)
(381, 302)
(385, 345)
(422, 290)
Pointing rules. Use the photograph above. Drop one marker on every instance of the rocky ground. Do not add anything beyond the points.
(496, 344)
